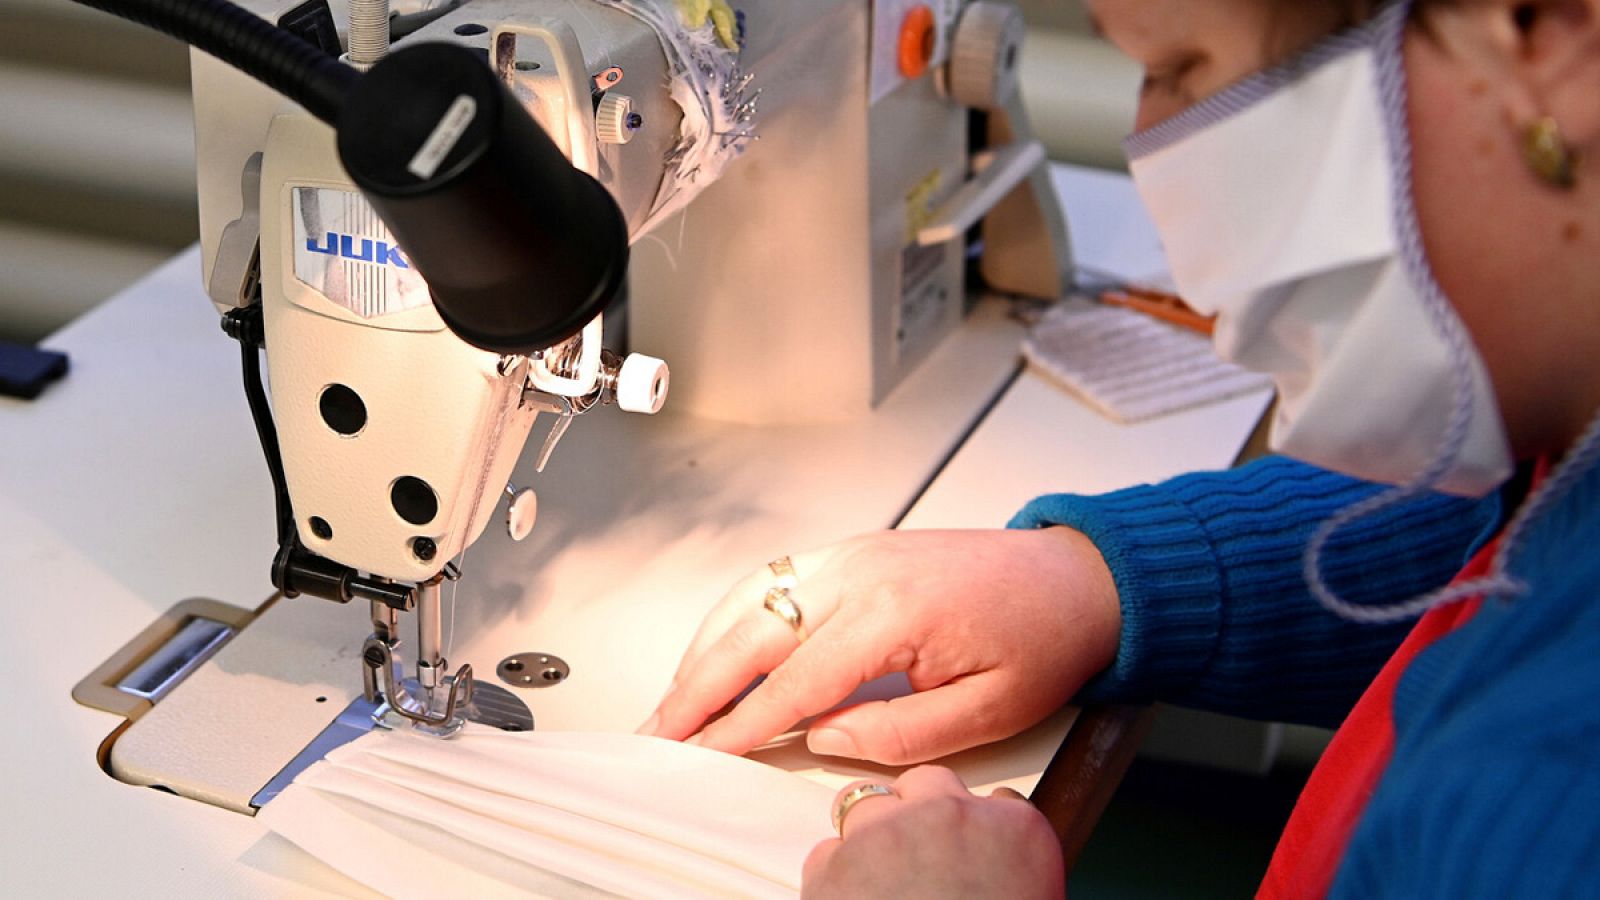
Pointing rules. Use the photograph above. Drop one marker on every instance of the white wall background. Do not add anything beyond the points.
(96, 160)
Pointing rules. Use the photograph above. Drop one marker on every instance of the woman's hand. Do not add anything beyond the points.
(995, 629)
(935, 839)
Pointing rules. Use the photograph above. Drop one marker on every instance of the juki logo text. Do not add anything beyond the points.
(359, 249)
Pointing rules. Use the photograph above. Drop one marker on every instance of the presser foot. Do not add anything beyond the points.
(440, 711)
(490, 705)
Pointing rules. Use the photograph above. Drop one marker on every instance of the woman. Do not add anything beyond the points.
(1399, 220)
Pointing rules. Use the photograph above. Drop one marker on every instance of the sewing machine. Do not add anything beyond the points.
(801, 208)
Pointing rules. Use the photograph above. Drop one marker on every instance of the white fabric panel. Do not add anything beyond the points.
(553, 813)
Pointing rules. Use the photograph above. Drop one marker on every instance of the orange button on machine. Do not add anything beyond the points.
(919, 36)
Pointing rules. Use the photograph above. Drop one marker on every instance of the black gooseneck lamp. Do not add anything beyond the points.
(519, 248)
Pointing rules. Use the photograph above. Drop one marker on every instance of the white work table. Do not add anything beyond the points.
(137, 482)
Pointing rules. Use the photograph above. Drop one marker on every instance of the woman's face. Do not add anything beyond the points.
(1519, 259)
(1192, 49)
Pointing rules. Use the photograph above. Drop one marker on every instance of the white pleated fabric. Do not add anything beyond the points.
(493, 814)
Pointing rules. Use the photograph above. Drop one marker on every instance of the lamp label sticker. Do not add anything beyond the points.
(344, 252)
(444, 138)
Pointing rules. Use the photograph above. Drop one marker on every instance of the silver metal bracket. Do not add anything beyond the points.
(393, 697)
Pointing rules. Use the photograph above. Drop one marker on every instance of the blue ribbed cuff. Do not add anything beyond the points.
(1169, 583)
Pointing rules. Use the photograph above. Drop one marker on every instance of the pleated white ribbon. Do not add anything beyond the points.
(552, 814)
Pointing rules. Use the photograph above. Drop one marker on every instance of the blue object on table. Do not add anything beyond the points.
(25, 371)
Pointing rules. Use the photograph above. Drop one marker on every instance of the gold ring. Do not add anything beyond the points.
(781, 603)
(852, 796)
(783, 569)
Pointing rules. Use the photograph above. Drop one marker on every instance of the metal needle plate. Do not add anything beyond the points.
(495, 706)
(533, 670)
(491, 705)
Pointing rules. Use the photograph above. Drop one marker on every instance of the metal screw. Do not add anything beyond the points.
(424, 548)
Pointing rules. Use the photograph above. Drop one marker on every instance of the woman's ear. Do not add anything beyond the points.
(1551, 52)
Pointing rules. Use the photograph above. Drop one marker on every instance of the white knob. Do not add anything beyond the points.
(521, 513)
(642, 384)
(614, 119)
(986, 54)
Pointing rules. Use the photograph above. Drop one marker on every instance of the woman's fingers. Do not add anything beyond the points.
(914, 786)
(995, 644)
(739, 641)
(814, 589)
(817, 676)
(818, 860)
(926, 835)
(927, 782)
(734, 606)
(751, 648)
(910, 729)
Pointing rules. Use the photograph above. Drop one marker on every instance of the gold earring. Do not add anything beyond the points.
(1548, 155)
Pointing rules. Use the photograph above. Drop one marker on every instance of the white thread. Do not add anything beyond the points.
(455, 585)
(672, 258)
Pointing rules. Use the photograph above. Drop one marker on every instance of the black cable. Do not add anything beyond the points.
(245, 326)
(267, 431)
(241, 39)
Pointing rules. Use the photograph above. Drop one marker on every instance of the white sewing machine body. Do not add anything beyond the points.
(796, 289)
(805, 299)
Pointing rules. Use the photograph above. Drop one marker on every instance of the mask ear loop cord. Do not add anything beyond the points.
(1495, 584)
(1580, 460)
(1388, 48)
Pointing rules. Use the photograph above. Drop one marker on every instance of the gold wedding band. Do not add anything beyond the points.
(781, 603)
(848, 800)
(783, 569)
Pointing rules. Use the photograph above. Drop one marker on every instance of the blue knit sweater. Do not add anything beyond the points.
(1493, 789)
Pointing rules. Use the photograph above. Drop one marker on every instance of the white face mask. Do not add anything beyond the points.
(1284, 205)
